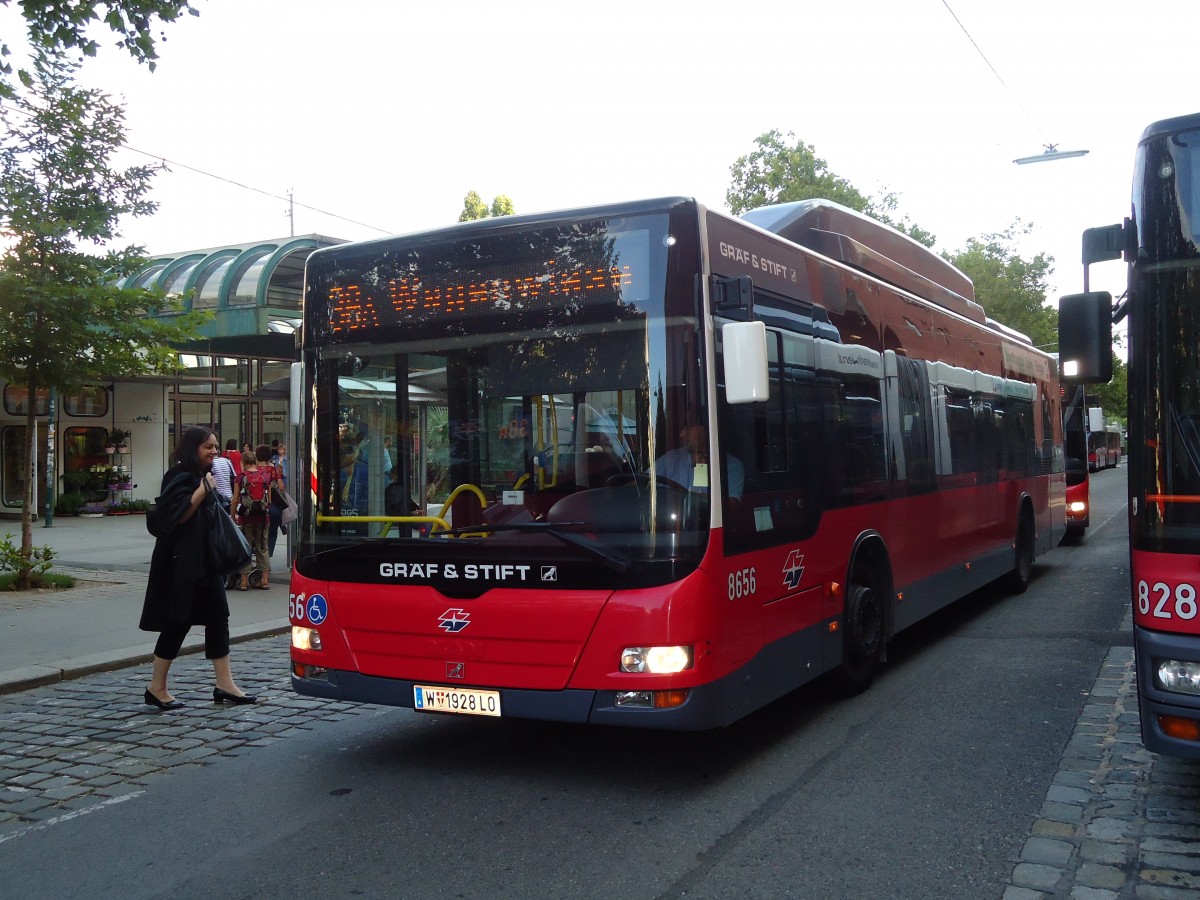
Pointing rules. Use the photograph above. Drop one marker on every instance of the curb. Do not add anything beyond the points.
(13, 681)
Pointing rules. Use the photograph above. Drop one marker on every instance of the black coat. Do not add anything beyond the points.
(180, 589)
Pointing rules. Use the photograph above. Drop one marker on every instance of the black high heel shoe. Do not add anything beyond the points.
(151, 700)
(220, 696)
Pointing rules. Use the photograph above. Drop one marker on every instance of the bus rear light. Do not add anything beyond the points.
(652, 699)
(1179, 676)
(1077, 508)
(1180, 728)
(305, 638)
(656, 660)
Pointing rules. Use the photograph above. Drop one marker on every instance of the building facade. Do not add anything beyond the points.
(110, 442)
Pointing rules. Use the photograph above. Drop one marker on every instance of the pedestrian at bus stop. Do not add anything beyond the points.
(251, 502)
(223, 478)
(181, 591)
(265, 457)
(234, 455)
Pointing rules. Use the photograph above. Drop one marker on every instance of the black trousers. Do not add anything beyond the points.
(216, 641)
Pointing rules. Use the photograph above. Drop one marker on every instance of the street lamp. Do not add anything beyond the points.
(1051, 152)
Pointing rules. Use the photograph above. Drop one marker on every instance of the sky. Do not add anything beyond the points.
(377, 117)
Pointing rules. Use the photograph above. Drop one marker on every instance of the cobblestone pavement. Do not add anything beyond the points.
(1117, 822)
(67, 749)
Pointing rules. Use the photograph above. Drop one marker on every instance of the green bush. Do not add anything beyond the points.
(41, 559)
(69, 503)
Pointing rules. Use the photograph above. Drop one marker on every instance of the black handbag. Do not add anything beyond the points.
(228, 549)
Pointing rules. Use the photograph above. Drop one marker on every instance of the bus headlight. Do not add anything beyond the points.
(305, 638)
(656, 660)
(1180, 676)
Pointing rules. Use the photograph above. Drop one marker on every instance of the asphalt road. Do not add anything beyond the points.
(927, 785)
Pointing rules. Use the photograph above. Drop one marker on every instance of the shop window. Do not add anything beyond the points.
(83, 456)
(16, 401)
(90, 401)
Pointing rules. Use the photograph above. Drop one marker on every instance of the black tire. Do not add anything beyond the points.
(1017, 581)
(862, 638)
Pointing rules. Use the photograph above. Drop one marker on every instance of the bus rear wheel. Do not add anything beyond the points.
(1018, 579)
(862, 638)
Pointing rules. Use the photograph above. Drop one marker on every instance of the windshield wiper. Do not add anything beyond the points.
(618, 564)
(342, 548)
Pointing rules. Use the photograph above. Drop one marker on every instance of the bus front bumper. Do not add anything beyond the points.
(1170, 719)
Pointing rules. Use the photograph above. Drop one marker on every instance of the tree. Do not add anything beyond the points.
(55, 26)
(1011, 289)
(779, 173)
(63, 319)
(474, 207)
(1113, 397)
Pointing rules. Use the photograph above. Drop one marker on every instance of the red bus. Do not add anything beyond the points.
(1076, 437)
(1160, 245)
(650, 465)
(1104, 442)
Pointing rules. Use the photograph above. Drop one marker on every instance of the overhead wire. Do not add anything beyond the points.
(167, 163)
(988, 63)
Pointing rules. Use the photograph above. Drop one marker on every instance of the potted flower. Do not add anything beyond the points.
(118, 441)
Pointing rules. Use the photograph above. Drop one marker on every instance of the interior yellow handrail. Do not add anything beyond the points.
(466, 487)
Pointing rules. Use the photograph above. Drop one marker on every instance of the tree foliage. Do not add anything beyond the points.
(1010, 288)
(57, 26)
(1113, 397)
(474, 207)
(778, 172)
(63, 319)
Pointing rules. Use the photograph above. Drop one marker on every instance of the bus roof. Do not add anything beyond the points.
(850, 237)
(1168, 126)
(500, 224)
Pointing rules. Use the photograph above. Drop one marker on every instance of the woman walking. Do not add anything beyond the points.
(181, 590)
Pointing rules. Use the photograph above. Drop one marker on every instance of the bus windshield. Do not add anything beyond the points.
(1165, 375)
(509, 389)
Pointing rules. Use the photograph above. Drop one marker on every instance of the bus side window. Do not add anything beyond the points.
(916, 424)
(852, 435)
(781, 462)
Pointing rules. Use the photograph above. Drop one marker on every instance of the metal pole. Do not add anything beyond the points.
(50, 429)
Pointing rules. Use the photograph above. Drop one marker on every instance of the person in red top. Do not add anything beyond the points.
(234, 455)
(262, 454)
(251, 503)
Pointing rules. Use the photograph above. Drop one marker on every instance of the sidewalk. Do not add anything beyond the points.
(48, 636)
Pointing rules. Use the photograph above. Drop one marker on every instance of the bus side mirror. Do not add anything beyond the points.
(745, 350)
(1085, 337)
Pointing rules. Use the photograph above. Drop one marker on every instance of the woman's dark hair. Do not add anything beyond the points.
(231, 444)
(187, 451)
(262, 453)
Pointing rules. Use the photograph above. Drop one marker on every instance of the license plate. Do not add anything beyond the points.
(464, 701)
